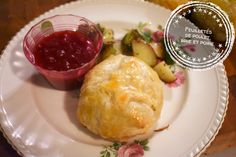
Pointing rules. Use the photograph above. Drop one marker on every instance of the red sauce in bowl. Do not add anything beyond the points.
(64, 50)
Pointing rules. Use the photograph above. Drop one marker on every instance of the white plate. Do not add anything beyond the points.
(40, 121)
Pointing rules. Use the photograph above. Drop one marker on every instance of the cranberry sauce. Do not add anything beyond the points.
(65, 50)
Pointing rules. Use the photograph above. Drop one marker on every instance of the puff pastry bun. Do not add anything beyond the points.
(121, 98)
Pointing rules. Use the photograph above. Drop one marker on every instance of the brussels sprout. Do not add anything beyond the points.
(107, 51)
(168, 59)
(108, 35)
(126, 42)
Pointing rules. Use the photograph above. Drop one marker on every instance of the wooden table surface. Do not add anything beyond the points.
(14, 14)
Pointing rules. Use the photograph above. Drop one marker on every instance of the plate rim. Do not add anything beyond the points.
(223, 100)
(221, 72)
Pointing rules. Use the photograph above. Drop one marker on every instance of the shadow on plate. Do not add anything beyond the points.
(26, 72)
(70, 106)
(23, 69)
(38, 80)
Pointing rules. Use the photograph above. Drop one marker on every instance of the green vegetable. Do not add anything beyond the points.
(126, 42)
(108, 35)
(143, 143)
(144, 32)
(100, 27)
(117, 47)
(168, 59)
(147, 36)
(142, 25)
(107, 51)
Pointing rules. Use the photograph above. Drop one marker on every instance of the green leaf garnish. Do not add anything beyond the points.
(116, 145)
(144, 31)
(142, 25)
(147, 36)
(143, 143)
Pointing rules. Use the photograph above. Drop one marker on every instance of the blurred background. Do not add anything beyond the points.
(229, 6)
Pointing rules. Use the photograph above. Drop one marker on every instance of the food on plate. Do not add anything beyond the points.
(107, 50)
(145, 44)
(168, 59)
(108, 34)
(110, 45)
(121, 99)
(148, 46)
(126, 42)
(164, 72)
(158, 49)
(144, 52)
(63, 48)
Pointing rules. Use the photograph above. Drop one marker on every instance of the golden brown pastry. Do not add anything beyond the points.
(121, 99)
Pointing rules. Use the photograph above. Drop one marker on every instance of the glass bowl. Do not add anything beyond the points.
(70, 78)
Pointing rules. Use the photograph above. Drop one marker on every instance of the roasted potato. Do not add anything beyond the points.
(158, 49)
(164, 72)
(144, 52)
